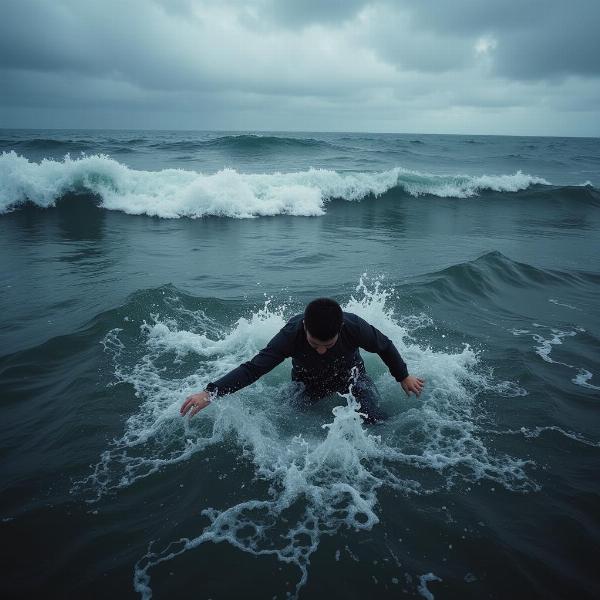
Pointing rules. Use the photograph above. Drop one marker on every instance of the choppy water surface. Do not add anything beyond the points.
(154, 262)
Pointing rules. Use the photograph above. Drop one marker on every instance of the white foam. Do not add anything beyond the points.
(423, 581)
(546, 344)
(510, 389)
(175, 193)
(534, 432)
(555, 301)
(329, 465)
(464, 186)
(582, 378)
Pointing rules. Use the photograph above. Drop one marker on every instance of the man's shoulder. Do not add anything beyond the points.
(352, 319)
(354, 326)
(293, 325)
(295, 320)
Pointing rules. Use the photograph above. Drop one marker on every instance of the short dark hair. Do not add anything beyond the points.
(323, 318)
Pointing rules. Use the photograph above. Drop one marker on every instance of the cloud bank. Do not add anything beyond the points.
(500, 66)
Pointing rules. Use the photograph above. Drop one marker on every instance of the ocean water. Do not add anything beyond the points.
(136, 266)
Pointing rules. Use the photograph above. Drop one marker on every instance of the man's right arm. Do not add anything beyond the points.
(276, 351)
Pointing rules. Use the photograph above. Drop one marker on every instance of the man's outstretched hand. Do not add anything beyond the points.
(195, 403)
(412, 384)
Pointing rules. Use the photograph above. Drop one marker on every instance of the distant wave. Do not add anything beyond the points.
(173, 193)
(77, 146)
(495, 263)
(484, 276)
(246, 143)
(40, 144)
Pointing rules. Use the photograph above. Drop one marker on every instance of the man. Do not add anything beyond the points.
(323, 344)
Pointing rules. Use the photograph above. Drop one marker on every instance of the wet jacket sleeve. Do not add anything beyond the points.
(372, 340)
(276, 351)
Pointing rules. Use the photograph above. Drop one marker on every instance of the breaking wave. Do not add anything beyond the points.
(175, 193)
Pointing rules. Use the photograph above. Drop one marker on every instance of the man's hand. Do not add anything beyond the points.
(412, 384)
(195, 402)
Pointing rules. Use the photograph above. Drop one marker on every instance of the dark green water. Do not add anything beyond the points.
(488, 481)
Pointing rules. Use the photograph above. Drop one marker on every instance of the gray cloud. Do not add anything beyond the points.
(354, 64)
(537, 39)
(391, 33)
(308, 12)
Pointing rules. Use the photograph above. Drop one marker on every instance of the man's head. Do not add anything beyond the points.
(323, 319)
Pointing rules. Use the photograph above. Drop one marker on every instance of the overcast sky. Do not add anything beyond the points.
(522, 67)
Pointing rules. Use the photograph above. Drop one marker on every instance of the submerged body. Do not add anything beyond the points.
(322, 373)
(318, 371)
(322, 364)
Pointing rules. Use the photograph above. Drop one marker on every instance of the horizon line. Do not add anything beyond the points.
(295, 131)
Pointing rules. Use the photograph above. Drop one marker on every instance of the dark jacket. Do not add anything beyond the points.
(327, 372)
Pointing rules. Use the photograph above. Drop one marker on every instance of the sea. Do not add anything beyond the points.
(137, 266)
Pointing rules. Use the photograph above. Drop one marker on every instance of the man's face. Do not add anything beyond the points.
(319, 345)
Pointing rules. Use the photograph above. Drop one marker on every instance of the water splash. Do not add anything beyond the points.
(322, 478)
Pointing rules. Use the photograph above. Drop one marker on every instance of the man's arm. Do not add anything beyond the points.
(372, 340)
(276, 351)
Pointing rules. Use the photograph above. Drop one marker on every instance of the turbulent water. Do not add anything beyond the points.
(137, 266)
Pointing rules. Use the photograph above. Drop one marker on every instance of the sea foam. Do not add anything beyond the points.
(323, 468)
(555, 338)
(175, 193)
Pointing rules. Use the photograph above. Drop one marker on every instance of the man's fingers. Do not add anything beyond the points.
(201, 398)
(416, 388)
(189, 403)
(196, 409)
(185, 406)
(414, 385)
(198, 405)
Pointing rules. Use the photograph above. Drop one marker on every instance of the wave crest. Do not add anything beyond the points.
(246, 142)
(174, 193)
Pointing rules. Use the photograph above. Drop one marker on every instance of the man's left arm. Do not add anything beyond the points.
(372, 340)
